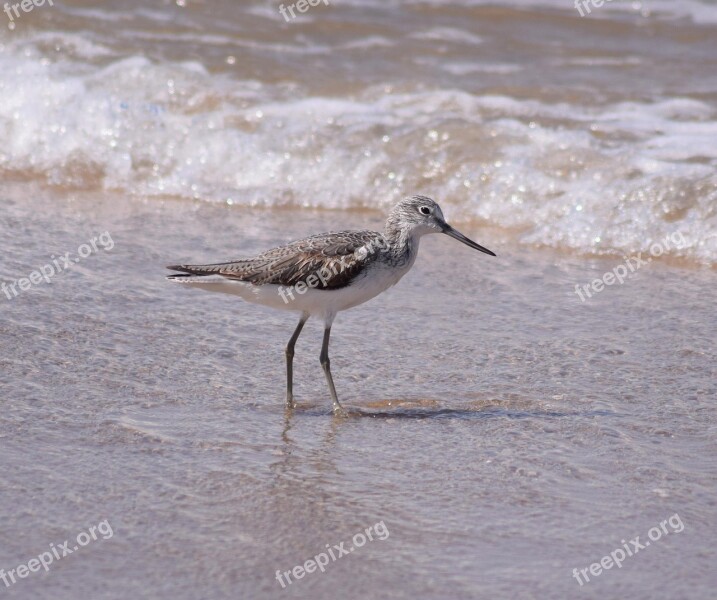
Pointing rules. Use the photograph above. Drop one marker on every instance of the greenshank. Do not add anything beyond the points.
(321, 275)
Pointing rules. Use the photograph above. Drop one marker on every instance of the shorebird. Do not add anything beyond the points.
(326, 273)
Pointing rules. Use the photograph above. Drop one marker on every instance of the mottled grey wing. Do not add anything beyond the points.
(333, 259)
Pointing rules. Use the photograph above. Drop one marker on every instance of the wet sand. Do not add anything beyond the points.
(503, 431)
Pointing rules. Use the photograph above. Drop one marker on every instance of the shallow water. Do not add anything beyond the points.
(502, 430)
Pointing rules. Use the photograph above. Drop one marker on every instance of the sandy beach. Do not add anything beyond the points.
(514, 420)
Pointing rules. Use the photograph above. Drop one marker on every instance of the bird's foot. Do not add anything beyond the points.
(339, 411)
(290, 403)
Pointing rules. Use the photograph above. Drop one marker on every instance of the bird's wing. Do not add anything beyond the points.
(333, 258)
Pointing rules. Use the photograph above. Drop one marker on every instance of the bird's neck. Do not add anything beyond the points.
(402, 244)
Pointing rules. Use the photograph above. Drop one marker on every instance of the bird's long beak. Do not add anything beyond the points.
(448, 230)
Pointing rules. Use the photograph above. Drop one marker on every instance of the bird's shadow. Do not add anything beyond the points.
(405, 410)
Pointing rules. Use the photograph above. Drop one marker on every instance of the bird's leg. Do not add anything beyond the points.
(290, 362)
(326, 365)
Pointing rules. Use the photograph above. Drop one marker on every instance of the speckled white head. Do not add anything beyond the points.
(420, 215)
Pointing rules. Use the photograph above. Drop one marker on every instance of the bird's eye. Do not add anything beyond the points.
(424, 210)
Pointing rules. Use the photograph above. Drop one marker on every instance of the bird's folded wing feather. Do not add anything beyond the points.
(333, 258)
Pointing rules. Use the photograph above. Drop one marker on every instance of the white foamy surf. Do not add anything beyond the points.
(594, 173)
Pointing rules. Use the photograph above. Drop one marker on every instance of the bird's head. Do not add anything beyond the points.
(420, 215)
